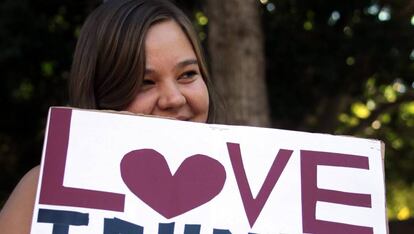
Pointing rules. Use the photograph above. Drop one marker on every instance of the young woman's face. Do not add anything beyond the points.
(173, 85)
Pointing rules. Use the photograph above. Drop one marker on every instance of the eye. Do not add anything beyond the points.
(188, 75)
(147, 84)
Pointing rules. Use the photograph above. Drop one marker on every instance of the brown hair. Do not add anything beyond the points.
(109, 60)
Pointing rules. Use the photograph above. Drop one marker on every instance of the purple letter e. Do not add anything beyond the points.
(311, 193)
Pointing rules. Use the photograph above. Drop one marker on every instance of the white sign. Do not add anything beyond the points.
(108, 173)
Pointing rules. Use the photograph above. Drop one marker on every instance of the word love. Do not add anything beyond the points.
(140, 168)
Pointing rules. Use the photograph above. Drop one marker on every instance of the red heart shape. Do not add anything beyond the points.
(198, 180)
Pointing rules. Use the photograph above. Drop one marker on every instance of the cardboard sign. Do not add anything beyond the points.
(117, 173)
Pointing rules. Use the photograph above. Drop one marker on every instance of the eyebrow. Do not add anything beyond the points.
(186, 63)
(179, 65)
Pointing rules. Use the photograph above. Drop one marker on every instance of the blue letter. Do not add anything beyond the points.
(166, 228)
(192, 229)
(119, 226)
(61, 220)
(221, 231)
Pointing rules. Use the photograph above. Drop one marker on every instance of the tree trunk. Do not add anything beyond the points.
(235, 43)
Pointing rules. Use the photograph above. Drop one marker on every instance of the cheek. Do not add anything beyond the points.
(198, 98)
(143, 103)
(206, 99)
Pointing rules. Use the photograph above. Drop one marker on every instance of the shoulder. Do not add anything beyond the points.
(16, 215)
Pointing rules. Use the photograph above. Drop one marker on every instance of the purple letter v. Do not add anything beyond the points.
(253, 206)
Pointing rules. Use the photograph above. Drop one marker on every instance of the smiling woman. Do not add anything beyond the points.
(121, 46)
(142, 56)
(173, 85)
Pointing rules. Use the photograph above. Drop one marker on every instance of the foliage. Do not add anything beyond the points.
(37, 40)
(347, 67)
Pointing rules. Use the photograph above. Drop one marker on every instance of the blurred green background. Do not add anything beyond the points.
(339, 67)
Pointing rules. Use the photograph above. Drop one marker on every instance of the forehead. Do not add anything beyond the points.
(166, 39)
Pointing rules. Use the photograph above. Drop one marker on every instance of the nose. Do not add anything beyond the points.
(170, 97)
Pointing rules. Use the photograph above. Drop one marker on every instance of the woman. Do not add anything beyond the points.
(141, 56)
